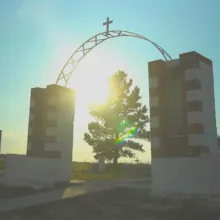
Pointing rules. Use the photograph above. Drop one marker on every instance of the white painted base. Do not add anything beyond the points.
(37, 173)
(186, 175)
(101, 164)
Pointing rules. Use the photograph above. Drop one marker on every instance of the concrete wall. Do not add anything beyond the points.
(22, 170)
(49, 160)
(209, 106)
(173, 109)
(186, 175)
(63, 133)
(204, 74)
(51, 119)
(65, 119)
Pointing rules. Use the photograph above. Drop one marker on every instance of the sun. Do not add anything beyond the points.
(93, 89)
(90, 81)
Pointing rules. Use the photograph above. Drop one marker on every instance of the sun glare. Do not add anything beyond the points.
(93, 89)
(90, 81)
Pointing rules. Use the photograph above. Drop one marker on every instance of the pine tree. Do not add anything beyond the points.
(120, 122)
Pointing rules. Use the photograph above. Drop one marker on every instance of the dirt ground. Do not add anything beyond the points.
(13, 192)
(118, 204)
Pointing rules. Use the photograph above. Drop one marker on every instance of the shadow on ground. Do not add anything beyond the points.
(117, 203)
(8, 192)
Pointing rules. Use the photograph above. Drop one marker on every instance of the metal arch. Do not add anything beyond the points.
(84, 49)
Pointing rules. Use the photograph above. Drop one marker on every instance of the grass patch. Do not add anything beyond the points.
(2, 163)
(88, 171)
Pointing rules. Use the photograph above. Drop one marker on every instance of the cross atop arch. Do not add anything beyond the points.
(107, 23)
(94, 41)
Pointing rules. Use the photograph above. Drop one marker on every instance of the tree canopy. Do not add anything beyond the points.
(119, 122)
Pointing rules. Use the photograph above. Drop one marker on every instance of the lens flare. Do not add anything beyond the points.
(129, 134)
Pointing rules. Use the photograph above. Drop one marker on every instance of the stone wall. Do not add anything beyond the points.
(195, 175)
(22, 170)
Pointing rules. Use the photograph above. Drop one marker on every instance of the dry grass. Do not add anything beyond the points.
(88, 171)
(2, 164)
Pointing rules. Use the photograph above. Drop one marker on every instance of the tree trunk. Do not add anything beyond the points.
(115, 161)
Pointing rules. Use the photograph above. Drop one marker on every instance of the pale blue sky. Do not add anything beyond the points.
(37, 37)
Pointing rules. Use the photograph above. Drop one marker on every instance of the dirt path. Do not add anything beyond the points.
(119, 204)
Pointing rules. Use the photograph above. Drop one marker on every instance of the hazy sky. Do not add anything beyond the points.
(38, 36)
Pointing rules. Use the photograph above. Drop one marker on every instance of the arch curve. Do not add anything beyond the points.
(91, 43)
